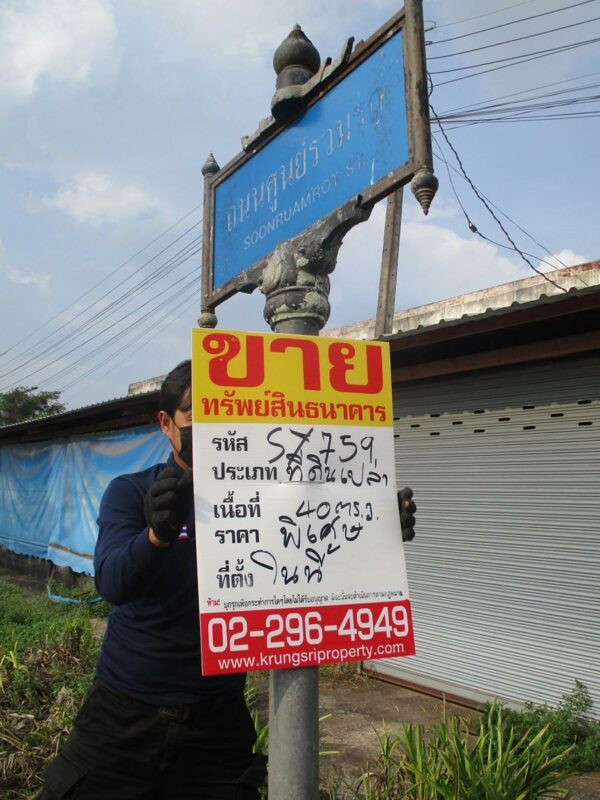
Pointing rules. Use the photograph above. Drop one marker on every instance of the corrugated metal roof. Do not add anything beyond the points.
(82, 410)
(147, 385)
(517, 295)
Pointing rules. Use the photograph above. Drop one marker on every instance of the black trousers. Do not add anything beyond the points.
(122, 749)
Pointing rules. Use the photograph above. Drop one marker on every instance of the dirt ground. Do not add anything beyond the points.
(355, 706)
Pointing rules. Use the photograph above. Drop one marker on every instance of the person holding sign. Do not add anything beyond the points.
(152, 727)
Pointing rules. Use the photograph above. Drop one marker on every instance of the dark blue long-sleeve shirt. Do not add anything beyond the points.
(151, 649)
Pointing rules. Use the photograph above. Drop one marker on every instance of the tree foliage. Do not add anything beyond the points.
(26, 402)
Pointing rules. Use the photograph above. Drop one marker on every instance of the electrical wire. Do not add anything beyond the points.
(512, 41)
(487, 14)
(159, 296)
(522, 91)
(49, 341)
(166, 267)
(151, 332)
(173, 298)
(515, 63)
(526, 56)
(506, 24)
(440, 156)
(515, 111)
(473, 227)
(100, 282)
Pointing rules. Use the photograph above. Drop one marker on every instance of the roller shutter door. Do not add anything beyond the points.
(505, 572)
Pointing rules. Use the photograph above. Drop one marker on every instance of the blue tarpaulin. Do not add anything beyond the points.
(50, 492)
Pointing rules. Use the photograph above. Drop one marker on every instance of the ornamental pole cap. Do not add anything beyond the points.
(299, 52)
(210, 166)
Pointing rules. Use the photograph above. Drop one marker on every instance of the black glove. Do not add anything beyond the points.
(168, 502)
(407, 509)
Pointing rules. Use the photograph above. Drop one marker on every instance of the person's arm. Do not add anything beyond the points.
(126, 559)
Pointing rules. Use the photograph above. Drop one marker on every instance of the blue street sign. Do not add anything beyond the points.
(348, 140)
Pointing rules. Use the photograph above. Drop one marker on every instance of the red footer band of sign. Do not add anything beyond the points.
(242, 641)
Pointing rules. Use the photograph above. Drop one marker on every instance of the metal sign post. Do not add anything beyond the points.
(389, 265)
(343, 135)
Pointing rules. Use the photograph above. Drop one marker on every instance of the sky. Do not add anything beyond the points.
(109, 108)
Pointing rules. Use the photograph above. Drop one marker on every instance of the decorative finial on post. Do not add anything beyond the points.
(210, 166)
(424, 186)
(295, 61)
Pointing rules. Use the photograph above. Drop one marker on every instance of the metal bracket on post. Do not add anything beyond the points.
(295, 279)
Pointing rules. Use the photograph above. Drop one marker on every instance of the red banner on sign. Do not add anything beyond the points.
(305, 637)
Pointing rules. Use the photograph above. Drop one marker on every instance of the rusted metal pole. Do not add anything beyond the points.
(389, 265)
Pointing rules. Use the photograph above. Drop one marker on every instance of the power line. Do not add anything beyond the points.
(516, 39)
(155, 329)
(169, 303)
(105, 329)
(515, 63)
(100, 282)
(487, 14)
(444, 114)
(172, 263)
(506, 24)
(440, 156)
(473, 227)
(191, 278)
(66, 325)
(581, 115)
(526, 56)
(515, 111)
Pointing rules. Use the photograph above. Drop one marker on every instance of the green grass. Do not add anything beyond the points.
(84, 593)
(47, 658)
(28, 621)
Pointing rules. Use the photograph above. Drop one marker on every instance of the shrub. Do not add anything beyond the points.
(569, 724)
(452, 762)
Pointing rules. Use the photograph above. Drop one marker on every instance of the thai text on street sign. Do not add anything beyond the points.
(344, 144)
(355, 140)
(300, 558)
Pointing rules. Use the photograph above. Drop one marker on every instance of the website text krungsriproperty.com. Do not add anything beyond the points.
(310, 658)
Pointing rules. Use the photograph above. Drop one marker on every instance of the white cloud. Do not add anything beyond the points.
(434, 263)
(61, 40)
(565, 258)
(249, 29)
(99, 199)
(27, 278)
